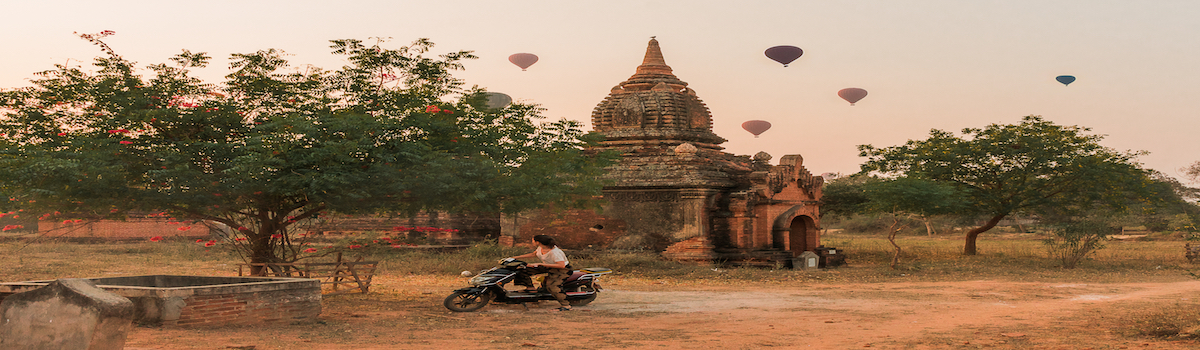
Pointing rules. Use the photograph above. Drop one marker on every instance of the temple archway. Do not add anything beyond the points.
(800, 235)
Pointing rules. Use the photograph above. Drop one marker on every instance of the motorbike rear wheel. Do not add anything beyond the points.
(466, 302)
(588, 300)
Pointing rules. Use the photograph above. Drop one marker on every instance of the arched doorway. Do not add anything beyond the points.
(798, 235)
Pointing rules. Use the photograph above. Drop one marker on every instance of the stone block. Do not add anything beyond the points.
(65, 314)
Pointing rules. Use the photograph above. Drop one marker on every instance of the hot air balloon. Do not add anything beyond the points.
(496, 100)
(523, 60)
(784, 54)
(1065, 79)
(852, 95)
(756, 127)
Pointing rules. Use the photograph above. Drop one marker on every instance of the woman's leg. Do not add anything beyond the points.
(525, 277)
(553, 283)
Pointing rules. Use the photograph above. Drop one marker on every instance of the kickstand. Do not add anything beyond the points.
(526, 305)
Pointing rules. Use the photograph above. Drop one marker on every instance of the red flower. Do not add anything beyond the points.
(62, 134)
(185, 228)
(447, 111)
(199, 241)
(243, 228)
(432, 109)
(64, 221)
(210, 243)
(355, 246)
(155, 238)
(240, 239)
(277, 236)
(310, 250)
(126, 142)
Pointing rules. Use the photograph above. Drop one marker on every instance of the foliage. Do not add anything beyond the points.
(1008, 168)
(1193, 171)
(845, 196)
(906, 199)
(1074, 241)
(273, 145)
(1173, 199)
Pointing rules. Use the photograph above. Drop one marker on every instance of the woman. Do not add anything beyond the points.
(554, 265)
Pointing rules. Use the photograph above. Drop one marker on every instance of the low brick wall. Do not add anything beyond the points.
(198, 301)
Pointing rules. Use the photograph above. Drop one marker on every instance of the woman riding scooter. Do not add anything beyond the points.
(554, 265)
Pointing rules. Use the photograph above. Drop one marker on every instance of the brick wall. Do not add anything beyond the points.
(471, 227)
(572, 229)
(279, 306)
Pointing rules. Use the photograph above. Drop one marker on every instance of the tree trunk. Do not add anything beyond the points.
(261, 252)
(969, 246)
(892, 231)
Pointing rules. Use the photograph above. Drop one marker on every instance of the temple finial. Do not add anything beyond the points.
(654, 56)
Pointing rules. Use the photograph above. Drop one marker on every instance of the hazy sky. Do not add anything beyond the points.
(944, 64)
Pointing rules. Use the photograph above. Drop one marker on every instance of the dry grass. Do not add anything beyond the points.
(926, 259)
(938, 258)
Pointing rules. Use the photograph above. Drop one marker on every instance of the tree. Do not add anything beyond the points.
(274, 145)
(1193, 171)
(906, 199)
(845, 196)
(1005, 169)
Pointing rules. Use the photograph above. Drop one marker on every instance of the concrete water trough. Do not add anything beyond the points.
(170, 300)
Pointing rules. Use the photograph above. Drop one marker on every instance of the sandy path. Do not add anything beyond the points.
(951, 315)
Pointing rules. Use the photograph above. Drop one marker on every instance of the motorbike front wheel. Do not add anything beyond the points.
(466, 302)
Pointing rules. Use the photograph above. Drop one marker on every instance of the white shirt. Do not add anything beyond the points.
(554, 256)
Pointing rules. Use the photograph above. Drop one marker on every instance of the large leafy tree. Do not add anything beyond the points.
(274, 144)
(1010, 168)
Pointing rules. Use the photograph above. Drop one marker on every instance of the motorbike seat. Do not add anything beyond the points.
(574, 276)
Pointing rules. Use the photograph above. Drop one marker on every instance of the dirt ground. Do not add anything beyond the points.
(943, 315)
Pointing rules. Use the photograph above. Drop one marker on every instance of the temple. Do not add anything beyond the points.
(675, 191)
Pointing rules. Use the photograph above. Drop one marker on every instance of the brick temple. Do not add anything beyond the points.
(676, 191)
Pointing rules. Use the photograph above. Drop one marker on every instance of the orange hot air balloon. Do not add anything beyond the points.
(756, 127)
(523, 60)
(852, 95)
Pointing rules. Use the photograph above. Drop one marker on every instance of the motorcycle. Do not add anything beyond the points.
(488, 286)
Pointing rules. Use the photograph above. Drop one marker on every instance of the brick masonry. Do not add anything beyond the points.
(200, 301)
(675, 191)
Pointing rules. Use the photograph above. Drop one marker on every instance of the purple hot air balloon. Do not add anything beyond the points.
(756, 127)
(523, 60)
(852, 95)
(784, 54)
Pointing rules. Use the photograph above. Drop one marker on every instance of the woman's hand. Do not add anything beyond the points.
(534, 265)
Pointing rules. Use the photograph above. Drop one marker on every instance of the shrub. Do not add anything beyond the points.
(1073, 241)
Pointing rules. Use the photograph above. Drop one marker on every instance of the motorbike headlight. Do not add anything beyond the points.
(478, 280)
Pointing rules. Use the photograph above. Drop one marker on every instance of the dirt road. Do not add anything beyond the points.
(950, 315)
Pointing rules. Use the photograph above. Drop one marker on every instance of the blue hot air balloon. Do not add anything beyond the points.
(1065, 79)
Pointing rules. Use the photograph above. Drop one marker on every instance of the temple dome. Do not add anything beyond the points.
(654, 104)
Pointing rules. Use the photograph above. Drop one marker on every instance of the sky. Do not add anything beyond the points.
(926, 64)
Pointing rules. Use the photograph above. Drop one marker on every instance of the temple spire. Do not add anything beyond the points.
(653, 63)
